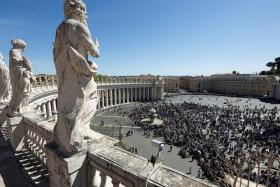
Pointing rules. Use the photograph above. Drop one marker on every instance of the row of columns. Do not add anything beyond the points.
(111, 97)
(49, 109)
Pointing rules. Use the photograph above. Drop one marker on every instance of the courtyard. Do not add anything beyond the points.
(119, 116)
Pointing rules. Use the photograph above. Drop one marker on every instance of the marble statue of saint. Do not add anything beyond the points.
(20, 75)
(77, 91)
(5, 86)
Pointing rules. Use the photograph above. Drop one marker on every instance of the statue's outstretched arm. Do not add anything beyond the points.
(79, 62)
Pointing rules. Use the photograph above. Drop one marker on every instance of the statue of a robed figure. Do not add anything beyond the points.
(21, 76)
(77, 91)
(5, 85)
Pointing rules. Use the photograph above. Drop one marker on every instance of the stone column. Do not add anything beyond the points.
(131, 94)
(115, 97)
(102, 99)
(156, 93)
(120, 98)
(140, 94)
(153, 93)
(111, 97)
(123, 95)
(44, 109)
(148, 94)
(54, 109)
(144, 94)
(107, 98)
(127, 95)
(99, 99)
(49, 109)
(162, 93)
(136, 94)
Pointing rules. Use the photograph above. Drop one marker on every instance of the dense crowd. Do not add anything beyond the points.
(217, 137)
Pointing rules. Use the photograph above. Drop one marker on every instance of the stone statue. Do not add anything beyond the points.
(77, 91)
(20, 75)
(5, 91)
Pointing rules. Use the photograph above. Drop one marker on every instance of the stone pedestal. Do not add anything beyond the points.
(66, 172)
(16, 133)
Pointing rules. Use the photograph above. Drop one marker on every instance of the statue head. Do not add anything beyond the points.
(18, 44)
(75, 9)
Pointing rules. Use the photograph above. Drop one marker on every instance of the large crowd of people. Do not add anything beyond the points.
(219, 137)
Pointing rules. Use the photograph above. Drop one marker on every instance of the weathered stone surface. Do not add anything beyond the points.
(77, 91)
(5, 91)
(20, 75)
(169, 177)
(66, 172)
(16, 133)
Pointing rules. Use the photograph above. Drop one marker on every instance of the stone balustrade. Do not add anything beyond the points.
(106, 164)
(31, 132)
(110, 166)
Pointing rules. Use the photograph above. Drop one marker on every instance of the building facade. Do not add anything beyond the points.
(171, 84)
(275, 92)
(239, 85)
(185, 82)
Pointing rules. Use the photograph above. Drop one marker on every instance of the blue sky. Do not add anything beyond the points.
(178, 37)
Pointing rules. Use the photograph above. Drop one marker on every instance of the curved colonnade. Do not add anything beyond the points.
(44, 95)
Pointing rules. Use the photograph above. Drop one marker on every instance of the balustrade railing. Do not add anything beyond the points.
(38, 133)
(46, 81)
(113, 166)
(108, 165)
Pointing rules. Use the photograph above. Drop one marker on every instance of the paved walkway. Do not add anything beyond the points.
(143, 144)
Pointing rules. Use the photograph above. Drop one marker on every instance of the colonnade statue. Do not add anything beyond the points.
(77, 91)
(5, 86)
(20, 75)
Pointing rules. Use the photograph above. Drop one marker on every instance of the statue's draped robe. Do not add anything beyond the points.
(5, 86)
(20, 74)
(77, 91)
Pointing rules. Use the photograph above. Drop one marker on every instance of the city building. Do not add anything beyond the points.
(172, 84)
(275, 92)
(185, 82)
(231, 84)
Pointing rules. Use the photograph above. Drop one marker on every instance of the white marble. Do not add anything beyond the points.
(77, 91)
(20, 75)
(5, 91)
